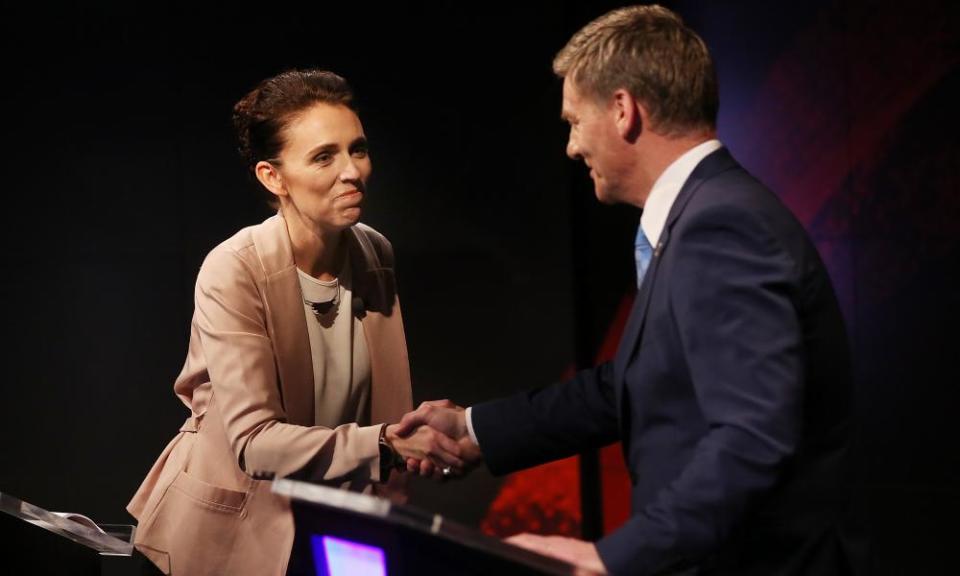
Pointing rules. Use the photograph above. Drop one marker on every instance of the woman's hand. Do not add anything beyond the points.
(450, 419)
(427, 445)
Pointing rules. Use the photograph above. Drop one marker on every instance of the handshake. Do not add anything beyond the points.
(433, 440)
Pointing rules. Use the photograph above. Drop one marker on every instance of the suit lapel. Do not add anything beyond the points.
(713, 164)
(638, 315)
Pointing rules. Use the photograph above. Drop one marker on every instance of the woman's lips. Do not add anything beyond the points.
(353, 196)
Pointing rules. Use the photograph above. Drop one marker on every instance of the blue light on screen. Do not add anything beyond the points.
(338, 557)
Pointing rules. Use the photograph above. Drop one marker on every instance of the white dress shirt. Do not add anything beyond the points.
(667, 187)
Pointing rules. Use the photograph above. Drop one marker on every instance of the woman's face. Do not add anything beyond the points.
(324, 166)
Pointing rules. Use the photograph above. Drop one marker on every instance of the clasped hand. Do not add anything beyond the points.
(434, 440)
(442, 426)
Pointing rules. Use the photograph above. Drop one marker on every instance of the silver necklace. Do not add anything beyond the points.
(322, 309)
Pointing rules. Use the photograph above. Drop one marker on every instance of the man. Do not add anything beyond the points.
(731, 387)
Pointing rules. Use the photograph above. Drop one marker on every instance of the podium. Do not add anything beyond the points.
(37, 541)
(341, 533)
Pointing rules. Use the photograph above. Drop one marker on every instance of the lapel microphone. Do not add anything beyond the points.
(358, 307)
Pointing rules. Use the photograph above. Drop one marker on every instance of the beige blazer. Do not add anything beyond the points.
(206, 507)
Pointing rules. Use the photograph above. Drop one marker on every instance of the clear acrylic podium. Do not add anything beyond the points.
(342, 533)
(37, 541)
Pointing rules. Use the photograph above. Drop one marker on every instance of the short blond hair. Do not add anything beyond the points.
(651, 53)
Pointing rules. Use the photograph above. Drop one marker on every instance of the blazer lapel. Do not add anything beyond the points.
(287, 321)
(379, 312)
(377, 308)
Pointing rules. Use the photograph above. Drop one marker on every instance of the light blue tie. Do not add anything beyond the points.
(642, 253)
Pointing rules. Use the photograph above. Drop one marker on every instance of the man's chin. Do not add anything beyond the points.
(603, 195)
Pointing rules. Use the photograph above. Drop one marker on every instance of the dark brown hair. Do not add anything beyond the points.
(261, 116)
(651, 53)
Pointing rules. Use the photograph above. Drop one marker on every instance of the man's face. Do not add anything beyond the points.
(594, 139)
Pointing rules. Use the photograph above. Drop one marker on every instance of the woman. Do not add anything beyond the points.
(297, 356)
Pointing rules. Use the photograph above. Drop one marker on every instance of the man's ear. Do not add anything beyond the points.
(630, 116)
(269, 176)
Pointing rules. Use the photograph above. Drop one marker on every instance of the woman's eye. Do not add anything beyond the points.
(324, 158)
(359, 152)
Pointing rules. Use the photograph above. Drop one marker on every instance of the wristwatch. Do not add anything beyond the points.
(389, 459)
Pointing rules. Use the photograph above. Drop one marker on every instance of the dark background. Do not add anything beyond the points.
(121, 173)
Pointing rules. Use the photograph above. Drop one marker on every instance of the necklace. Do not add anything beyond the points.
(322, 309)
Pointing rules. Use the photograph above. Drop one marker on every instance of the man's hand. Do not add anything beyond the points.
(447, 418)
(580, 553)
(426, 445)
(441, 415)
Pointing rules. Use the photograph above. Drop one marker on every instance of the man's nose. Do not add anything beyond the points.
(573, 149)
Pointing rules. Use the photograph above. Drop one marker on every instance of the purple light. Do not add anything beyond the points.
(338, 557)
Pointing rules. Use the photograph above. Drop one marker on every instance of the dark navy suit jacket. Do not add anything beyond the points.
(730, 393)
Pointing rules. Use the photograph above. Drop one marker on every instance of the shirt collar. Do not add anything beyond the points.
(316, 291)
(667, 187)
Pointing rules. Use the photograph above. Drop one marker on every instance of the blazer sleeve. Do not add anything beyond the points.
(734, 288)
(231, 321)
(544, 424)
